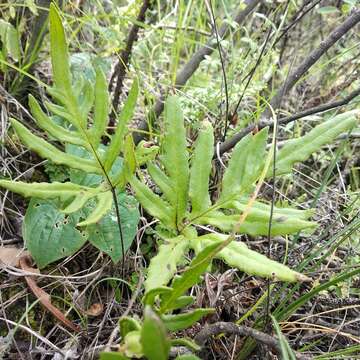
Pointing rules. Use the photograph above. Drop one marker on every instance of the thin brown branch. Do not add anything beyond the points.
(192, 65)
(230, 143)
(233, 329)
(312, 58)
(125, 55)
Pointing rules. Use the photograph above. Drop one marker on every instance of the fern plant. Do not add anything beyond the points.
(83, 206)
(185, 201)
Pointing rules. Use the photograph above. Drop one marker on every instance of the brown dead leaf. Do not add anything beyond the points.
(44, 297)
(10, 256)
(95, 309)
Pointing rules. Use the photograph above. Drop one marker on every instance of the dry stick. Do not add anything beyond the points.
(312, 58)
(231, 328)
(230, 143)
(192, 65)
(294, 77)
(125, 55)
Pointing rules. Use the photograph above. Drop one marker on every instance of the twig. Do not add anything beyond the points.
(230, 143)
(222, 69)
(125, 55)
(116, 329)
(312, 58)
(230, 328)
(192, 65)
(297, 18)
(251, 73)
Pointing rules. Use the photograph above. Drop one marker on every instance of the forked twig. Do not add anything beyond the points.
(230, 328)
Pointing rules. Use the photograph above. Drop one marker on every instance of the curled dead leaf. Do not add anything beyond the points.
(44, 297)
(10, 256)
(95, 309)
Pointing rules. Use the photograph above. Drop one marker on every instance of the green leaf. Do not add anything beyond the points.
(48, 151)
(145, 152)
(185, 320)
(101, 108)
(182, 302)
(57, 131)
(200, 170)
(176, 155)
(89, 179)
(245, 165)
(32, 6)
(297, 150)
(187, 357)
(128, 324)
(278, 211)
(129, 167)
(86, 101)
(189, 277)
(150, 296)
(47, 227)
(238, 255)
(104, 202)
(49, 234)
(112, 356)
(105, 234)
(117, 139)
(13, 43)
(155, 343)
(190, 344)
(62, 112)
(46, 190)
(59, 52)
(325, 10)
(286, 352)
(153, 204)
(163, 182)
(79, 201)
(284, 221)
(132, 345)
(163, 266)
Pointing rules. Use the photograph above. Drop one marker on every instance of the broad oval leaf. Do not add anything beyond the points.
(105, 234)
(49, 234)
(103, 206)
